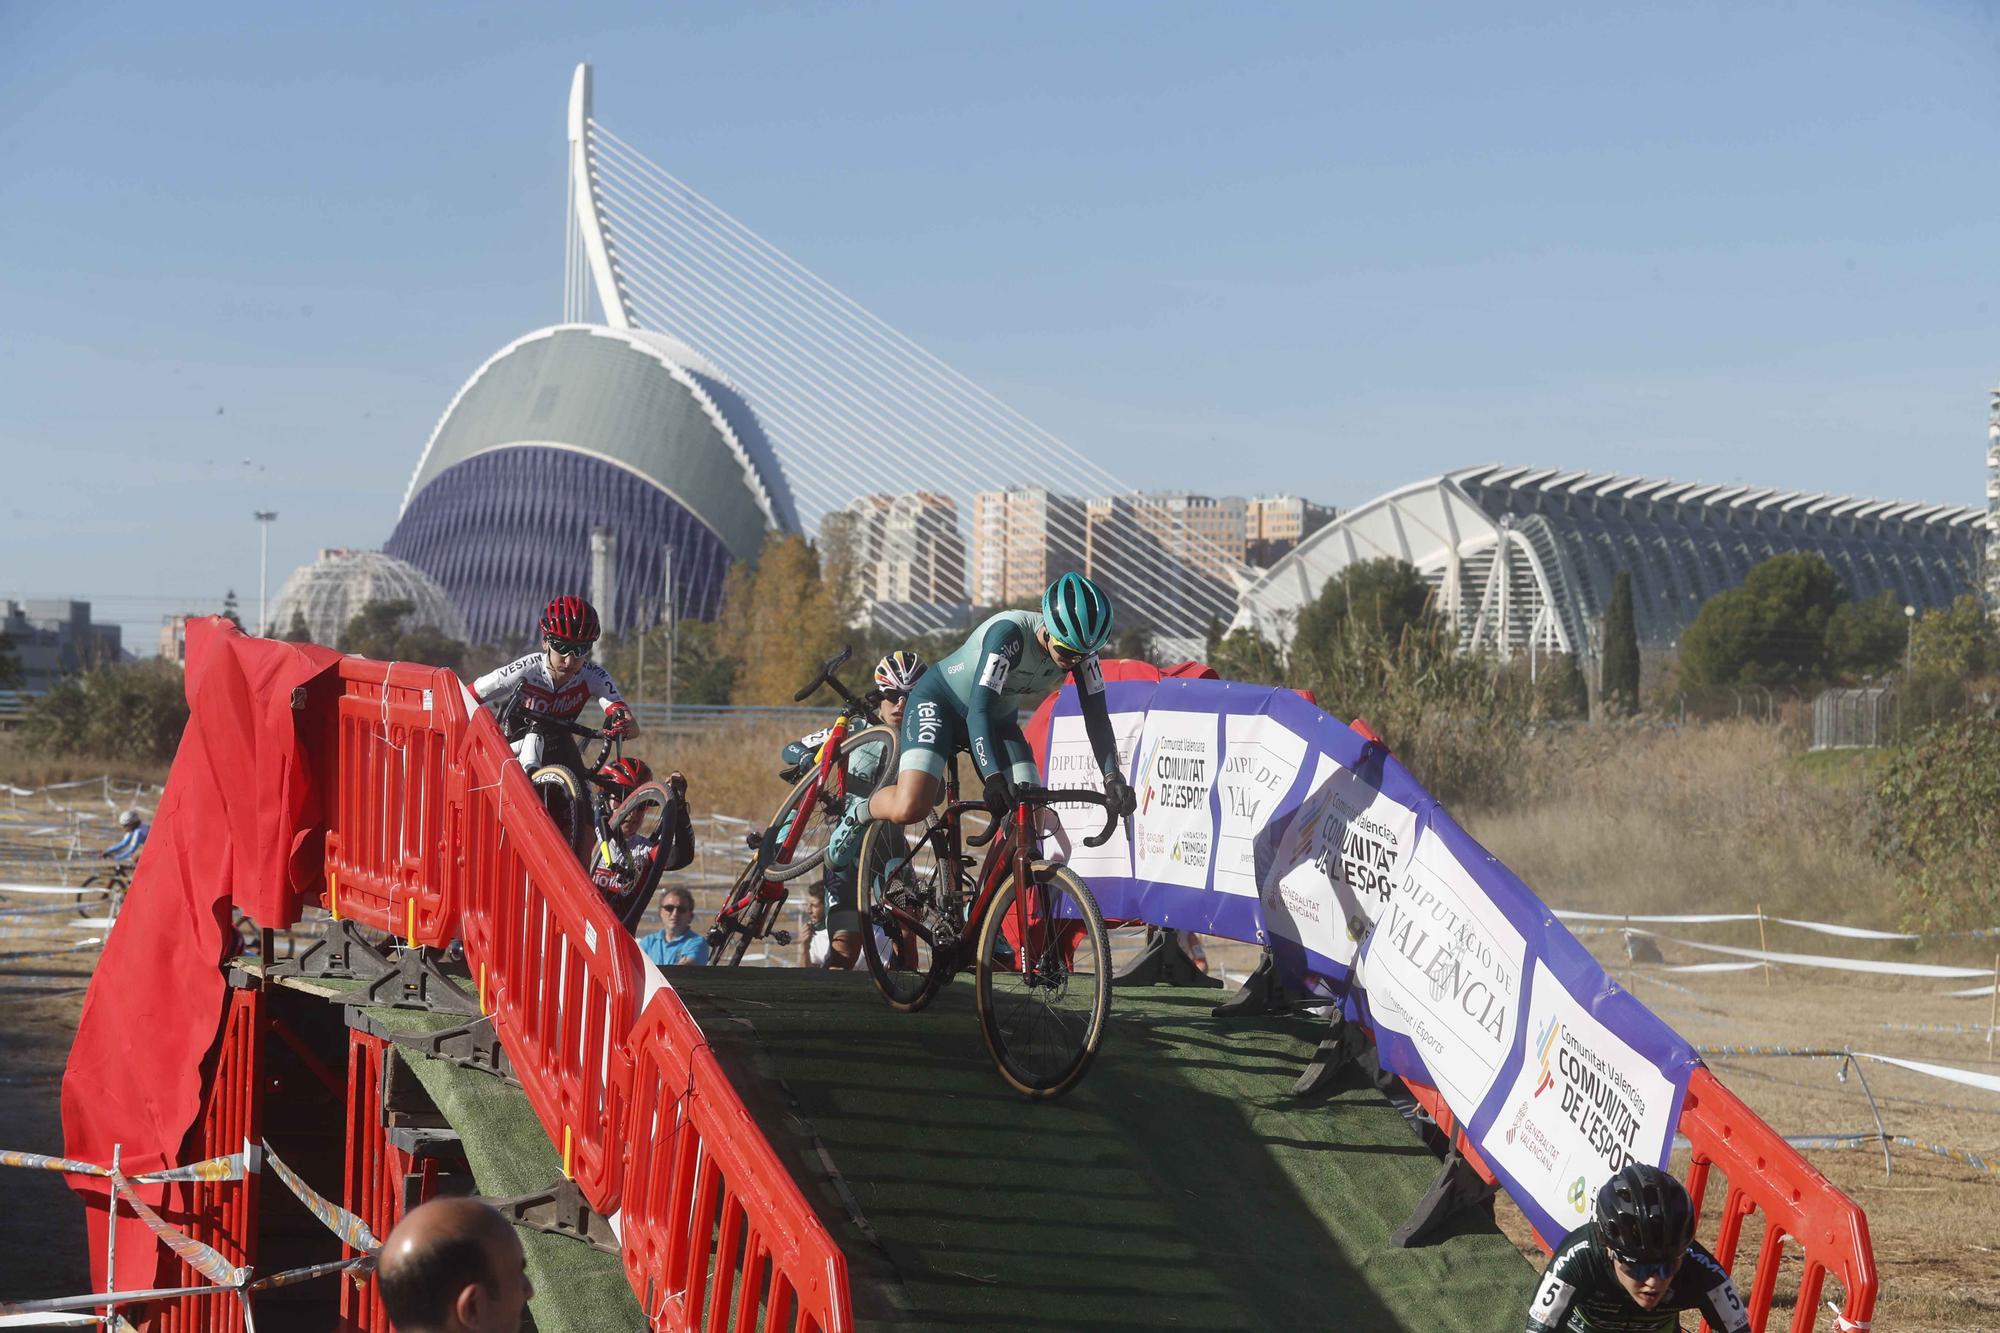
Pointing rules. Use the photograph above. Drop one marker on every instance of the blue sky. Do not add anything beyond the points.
(1350, 247)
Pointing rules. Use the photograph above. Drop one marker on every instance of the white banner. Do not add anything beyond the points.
(1072, 764)
(1583, 1105)
(1444, 970)
(1180, 753)
(1261, 759)
(1331, 876)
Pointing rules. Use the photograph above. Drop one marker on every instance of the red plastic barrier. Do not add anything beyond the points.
(553, 965)
(390, 839)
(1765, 1174)
(374, 1177)
(714, 1228)
(222, 1213)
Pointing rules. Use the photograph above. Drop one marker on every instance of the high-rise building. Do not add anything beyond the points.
(1171, 548)
(903, 549)
(1022, 537)
(174, 640)
(1274, 524)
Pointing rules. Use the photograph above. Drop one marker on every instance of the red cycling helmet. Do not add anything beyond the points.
(570, 618)
(628, 774)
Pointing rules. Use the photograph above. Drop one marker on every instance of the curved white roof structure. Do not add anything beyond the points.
(332, 590)
(1524, 556)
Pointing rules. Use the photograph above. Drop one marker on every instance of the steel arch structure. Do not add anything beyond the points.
(1527, 556)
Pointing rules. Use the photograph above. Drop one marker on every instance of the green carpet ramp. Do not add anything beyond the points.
(1179, 1186)
(576, 1288)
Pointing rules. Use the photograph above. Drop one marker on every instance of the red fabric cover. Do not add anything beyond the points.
(239, 803)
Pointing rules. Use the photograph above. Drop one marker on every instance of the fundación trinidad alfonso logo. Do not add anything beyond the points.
(1545, 1043)
(1576, 1193)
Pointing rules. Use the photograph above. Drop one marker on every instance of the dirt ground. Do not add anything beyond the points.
(1935, 1221)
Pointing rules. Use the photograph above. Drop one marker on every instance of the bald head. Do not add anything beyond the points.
(453, 1266)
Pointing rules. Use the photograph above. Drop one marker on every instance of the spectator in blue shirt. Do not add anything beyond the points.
(679, 942)
(127, 847)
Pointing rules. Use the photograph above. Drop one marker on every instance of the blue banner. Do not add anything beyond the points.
(1262, 818)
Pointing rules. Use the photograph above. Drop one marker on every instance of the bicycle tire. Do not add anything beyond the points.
(762, 913)
(912, 970)
(630, 905)
(810, 850)
(551, 779)
(1042, 1037)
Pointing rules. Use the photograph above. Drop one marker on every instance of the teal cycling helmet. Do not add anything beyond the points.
(1078, 613)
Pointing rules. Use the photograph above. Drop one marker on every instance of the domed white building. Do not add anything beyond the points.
(332, 590)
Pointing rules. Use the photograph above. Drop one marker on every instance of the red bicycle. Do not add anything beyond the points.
(1032, 933)
(795, 841)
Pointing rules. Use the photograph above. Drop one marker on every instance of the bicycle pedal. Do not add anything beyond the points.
(754, 841)
(781, 937)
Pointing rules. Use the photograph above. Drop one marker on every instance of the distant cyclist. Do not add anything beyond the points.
(1635, 1266)
(672, 839)
(556, 682)
(971, 700)
(895, 676)
(136, 828)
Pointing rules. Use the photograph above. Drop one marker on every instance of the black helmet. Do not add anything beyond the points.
(1644, 1216)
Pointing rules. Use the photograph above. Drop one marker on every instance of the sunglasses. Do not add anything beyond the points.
(1642, 1271)
(894, 696)
(1062, 652)
(678, 907)
(567, 648)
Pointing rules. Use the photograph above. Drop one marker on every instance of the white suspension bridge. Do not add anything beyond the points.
(847, 399)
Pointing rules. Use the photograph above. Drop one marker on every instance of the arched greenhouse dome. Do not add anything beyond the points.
(333, 589)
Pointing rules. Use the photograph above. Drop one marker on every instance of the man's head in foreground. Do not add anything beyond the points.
(453, 1266)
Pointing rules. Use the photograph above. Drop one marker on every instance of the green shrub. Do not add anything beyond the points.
(130, 711)
(1939, 811)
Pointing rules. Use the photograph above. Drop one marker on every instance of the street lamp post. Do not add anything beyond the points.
(1909, 638)
(263, 517)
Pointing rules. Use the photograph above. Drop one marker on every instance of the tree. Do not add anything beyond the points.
(779, 621)
(1375, 599)
(134, 710)
(1770, 631)
(1620, 682)
(298, 631)
(380, 630)
(1866, 638)
(10, 665)
(229, 609)
(1245, 655)
(1956, 641)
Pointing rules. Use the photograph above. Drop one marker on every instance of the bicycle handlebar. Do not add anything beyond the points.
(1032, 795)
(826, 677)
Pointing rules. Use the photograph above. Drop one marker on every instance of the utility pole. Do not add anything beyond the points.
(263, 517)
(672, 622)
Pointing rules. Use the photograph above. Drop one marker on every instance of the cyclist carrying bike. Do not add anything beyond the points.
(1635, 1266)
(970, 701)
(895, 676)
(556, 682)
(672, 841)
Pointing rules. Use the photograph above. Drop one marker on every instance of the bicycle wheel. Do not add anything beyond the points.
(909, 915)
(879, 745)
(1043, 1007)
(562, 796)
(638, 876)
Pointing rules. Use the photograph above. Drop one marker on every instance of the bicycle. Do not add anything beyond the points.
(795, 840)
(117, 881)
(1041, 958)
(613, 845)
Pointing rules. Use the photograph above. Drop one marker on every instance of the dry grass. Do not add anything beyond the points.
(731, 770)
(22, 766)
(1701, 818)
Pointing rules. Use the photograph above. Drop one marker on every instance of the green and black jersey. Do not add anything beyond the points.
(1580, 1294)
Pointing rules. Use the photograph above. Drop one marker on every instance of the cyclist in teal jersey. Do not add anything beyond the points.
(971, 701)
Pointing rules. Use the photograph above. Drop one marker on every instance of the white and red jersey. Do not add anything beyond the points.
(540, 694)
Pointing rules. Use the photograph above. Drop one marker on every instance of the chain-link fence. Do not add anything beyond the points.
(1846, 719)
